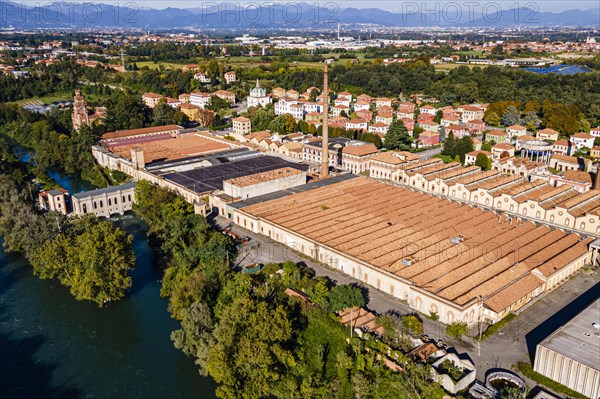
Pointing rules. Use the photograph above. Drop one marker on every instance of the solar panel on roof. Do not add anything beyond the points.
(211, 178)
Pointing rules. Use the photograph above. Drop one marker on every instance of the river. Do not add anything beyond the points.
(52, 346)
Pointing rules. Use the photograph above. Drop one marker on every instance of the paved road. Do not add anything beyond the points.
(430, 153)
(513, 343)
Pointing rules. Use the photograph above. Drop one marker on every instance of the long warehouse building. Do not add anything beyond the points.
(460, 262)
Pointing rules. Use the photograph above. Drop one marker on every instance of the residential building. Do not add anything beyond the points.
(595, 152)
(361, 105)
(356, 124)
(570, 354)
(241, 125)
(342, 101)
(191, 111)
(430, 126)
(292, 94)
(450, 120)
(422, 118)
(278, 92)
(595, 131)
(547, 134)
(384, 118)
(230, 77)
(364, 97)
(225, 95)
(56, 200)
(190, 67)
(409, 123)
(344, 94)
(173, 102)
(365, 114)
(470, 112)
(476, 126)
(383, 101)
(428, 139)
(471, 157)
(581, 140)
(378, 128)
(515, 131)
(562, 147)
(459, 131)
(428, 109)
(202, 77)
(200, 99)
(338, 109)
(151, 99)
(503, 150)
(184, 98)
(498, 136)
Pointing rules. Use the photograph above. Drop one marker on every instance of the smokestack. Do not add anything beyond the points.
(325, 138)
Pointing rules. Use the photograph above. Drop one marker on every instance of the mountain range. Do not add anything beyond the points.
(228, 16)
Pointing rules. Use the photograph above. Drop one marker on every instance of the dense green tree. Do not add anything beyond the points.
(456, 329)
(283, 124)
(345, 296)
(482, 161)
(511, 116)
(449, 145)
(412, 324)
(397, 136)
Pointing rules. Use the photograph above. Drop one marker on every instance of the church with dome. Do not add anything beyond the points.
(258, 97)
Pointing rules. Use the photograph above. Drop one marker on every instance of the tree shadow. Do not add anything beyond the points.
(538, 334)
(21, 374)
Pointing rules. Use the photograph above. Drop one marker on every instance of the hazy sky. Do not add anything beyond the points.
(391, 5)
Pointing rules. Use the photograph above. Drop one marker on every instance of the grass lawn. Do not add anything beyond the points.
(449, 67)
(495, 327)
(156, 65)
(50, 98)
(445, 158)
(527, 370)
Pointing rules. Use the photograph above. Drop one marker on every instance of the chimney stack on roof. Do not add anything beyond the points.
(325, 138)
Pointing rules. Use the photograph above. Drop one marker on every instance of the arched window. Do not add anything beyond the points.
(109, 202)
(95, 205)
(551, 218)
(538, 214)
(129, 197)
(101, 204)
(84, 207)
(582, 226)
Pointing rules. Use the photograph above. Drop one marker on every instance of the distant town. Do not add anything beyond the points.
(418, 207)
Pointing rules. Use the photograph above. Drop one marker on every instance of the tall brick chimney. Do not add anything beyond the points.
(325, 138)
